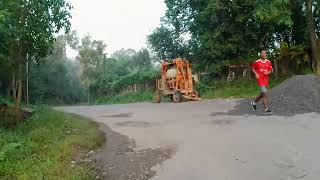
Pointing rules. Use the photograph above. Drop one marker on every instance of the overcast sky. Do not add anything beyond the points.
(120, 23)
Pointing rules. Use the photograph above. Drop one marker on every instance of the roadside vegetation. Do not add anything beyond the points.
(241, 88)
(48, 145)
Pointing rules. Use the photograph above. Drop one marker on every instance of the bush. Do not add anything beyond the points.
(6, 101)
(9, 118)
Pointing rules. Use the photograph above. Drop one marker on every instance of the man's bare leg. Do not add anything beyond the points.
(267, 111)
(265, 101)
(254, 103)
(258, 98)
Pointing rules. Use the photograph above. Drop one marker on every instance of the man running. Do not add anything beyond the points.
(262, 68)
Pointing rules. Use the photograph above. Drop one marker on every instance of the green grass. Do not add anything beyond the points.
(145, 96)
(5, 100)
(233, 89)
(44, 146)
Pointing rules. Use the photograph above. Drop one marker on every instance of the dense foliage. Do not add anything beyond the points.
(105, 76)
(56, 79)
(27, 31)
(217, 33)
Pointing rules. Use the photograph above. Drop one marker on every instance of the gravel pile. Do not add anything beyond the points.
(297, 95)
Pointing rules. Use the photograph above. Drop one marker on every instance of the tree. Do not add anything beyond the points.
(220, 31)
(29, 29)
(56, 81)
(295, 14)
(224, 32)
(166, 43)
(142, 60)
(93, 59)
(3, 11)
(126, 68)
(312, 35)
(123, 54)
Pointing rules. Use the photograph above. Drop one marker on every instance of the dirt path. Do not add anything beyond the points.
(202, 140)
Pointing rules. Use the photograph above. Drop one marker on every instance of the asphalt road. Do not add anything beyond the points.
(212, 145)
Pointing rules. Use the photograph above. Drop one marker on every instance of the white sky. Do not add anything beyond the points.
(119, 23)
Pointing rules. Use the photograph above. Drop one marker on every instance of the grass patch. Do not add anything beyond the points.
(6, 100)
(233, 89)
(145, 96)
(44, 147)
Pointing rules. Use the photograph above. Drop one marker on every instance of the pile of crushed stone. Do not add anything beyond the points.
(297, 95)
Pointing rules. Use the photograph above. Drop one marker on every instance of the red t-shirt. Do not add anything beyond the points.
(260, 67)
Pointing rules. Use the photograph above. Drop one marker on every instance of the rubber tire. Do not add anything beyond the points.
(157, 98)
(177, 97)
(171, 98)
(197, 93)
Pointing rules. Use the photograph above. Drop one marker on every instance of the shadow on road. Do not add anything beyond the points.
(242, 108)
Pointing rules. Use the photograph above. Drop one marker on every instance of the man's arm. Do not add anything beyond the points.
(254, 71)
(256, 74)
(270, 70)
(267, 72)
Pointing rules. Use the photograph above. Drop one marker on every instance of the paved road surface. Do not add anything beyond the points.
(211, 145)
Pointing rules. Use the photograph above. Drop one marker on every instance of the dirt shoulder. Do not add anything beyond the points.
(117, 159)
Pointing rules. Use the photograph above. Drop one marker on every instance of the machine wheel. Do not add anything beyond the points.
(171, 98)
(177, 97)
(157, 98)
(197, 94)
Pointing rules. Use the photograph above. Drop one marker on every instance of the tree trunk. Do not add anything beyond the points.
(312, 37)
(27, 81)
(14, 85)
(17, 86)
(249, 71)
(275, 68)
(88, 96)
(18, 60)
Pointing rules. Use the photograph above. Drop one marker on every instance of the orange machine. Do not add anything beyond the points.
(176, 81)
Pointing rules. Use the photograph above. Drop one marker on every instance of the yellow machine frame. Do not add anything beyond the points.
(178, 86)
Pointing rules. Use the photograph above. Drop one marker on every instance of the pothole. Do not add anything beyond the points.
(122, 115)
(222, 122)
(134, 124)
